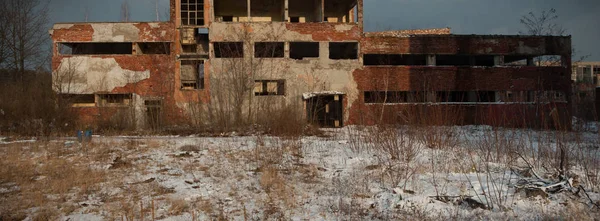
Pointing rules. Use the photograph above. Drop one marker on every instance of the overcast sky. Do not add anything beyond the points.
(581, 18)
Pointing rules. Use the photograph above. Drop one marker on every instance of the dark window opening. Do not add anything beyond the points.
(269, 49)
(79, 100)
(154, 48)
(229, 49)
(464, 60)
(338, 11)
(192, 74)
(295, 19)
(266, 10)
(305, 11)
(391, 97)
(269, 87)
(95, 48)
(453, 60)
(192, 12)
(115, 99)
(227, 18)
(343, 50)
(189, 49)
(300, 50)
(394, 59)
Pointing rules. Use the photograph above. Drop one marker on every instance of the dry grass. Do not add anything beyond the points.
(39, 172)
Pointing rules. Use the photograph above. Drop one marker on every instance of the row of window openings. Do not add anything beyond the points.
(102, 100)
(452, 60)
(299, 11)
(298, 50)
(396, 97)
(117, 48)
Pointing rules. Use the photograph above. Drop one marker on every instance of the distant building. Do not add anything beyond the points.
(585, 88)
(313, 55)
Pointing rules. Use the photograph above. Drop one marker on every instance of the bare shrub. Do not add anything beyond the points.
(35, 112)
(177, 206)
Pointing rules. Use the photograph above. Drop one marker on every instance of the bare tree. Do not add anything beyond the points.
(24, 32)
(125, 13)
(156, 10)
(65, 77)
(546, 23)
(236, 76)
(86, 13)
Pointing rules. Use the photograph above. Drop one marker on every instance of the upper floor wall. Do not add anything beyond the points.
(113, 32)
(468, 44)
(201, 13)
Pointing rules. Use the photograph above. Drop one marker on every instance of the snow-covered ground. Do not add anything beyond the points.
(469, 172)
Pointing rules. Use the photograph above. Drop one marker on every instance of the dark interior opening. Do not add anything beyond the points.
(155, 47)
(343, 50)
(300, 50)
(95, 48)
(269, 49)
(79, 98)
(394, 59)
(192, 74)
(229, 49)
(227, 18)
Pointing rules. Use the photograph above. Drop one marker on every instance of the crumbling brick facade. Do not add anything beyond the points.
(321, 61)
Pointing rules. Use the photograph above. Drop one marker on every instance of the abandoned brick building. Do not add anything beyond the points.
(312, 55)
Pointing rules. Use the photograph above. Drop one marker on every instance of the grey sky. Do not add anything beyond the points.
(581, 18)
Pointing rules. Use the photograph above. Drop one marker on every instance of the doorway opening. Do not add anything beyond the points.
(325, 109)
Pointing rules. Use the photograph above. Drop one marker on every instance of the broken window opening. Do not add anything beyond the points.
(394, 59)
(343, 50)
(465, 60)
(269, 88)
(79, 100)
(115, 99)
(189, 49)
(339, 11)
(269, 49)
(266, 10)
(229, 49)
(466, 97)
(192, 12)
(304, 11)
(230, 10)
(192, 74)
(516, 60)
(95, 48)
(548, 61)
(154, 48)
(301, 50)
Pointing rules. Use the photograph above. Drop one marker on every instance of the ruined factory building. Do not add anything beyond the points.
(310, 55)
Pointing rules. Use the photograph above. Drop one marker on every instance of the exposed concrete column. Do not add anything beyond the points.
(360, 14)
(498, 60)
(530, 62)
(431, 60)
(286, 11)
(249, 10)
(286, 50)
